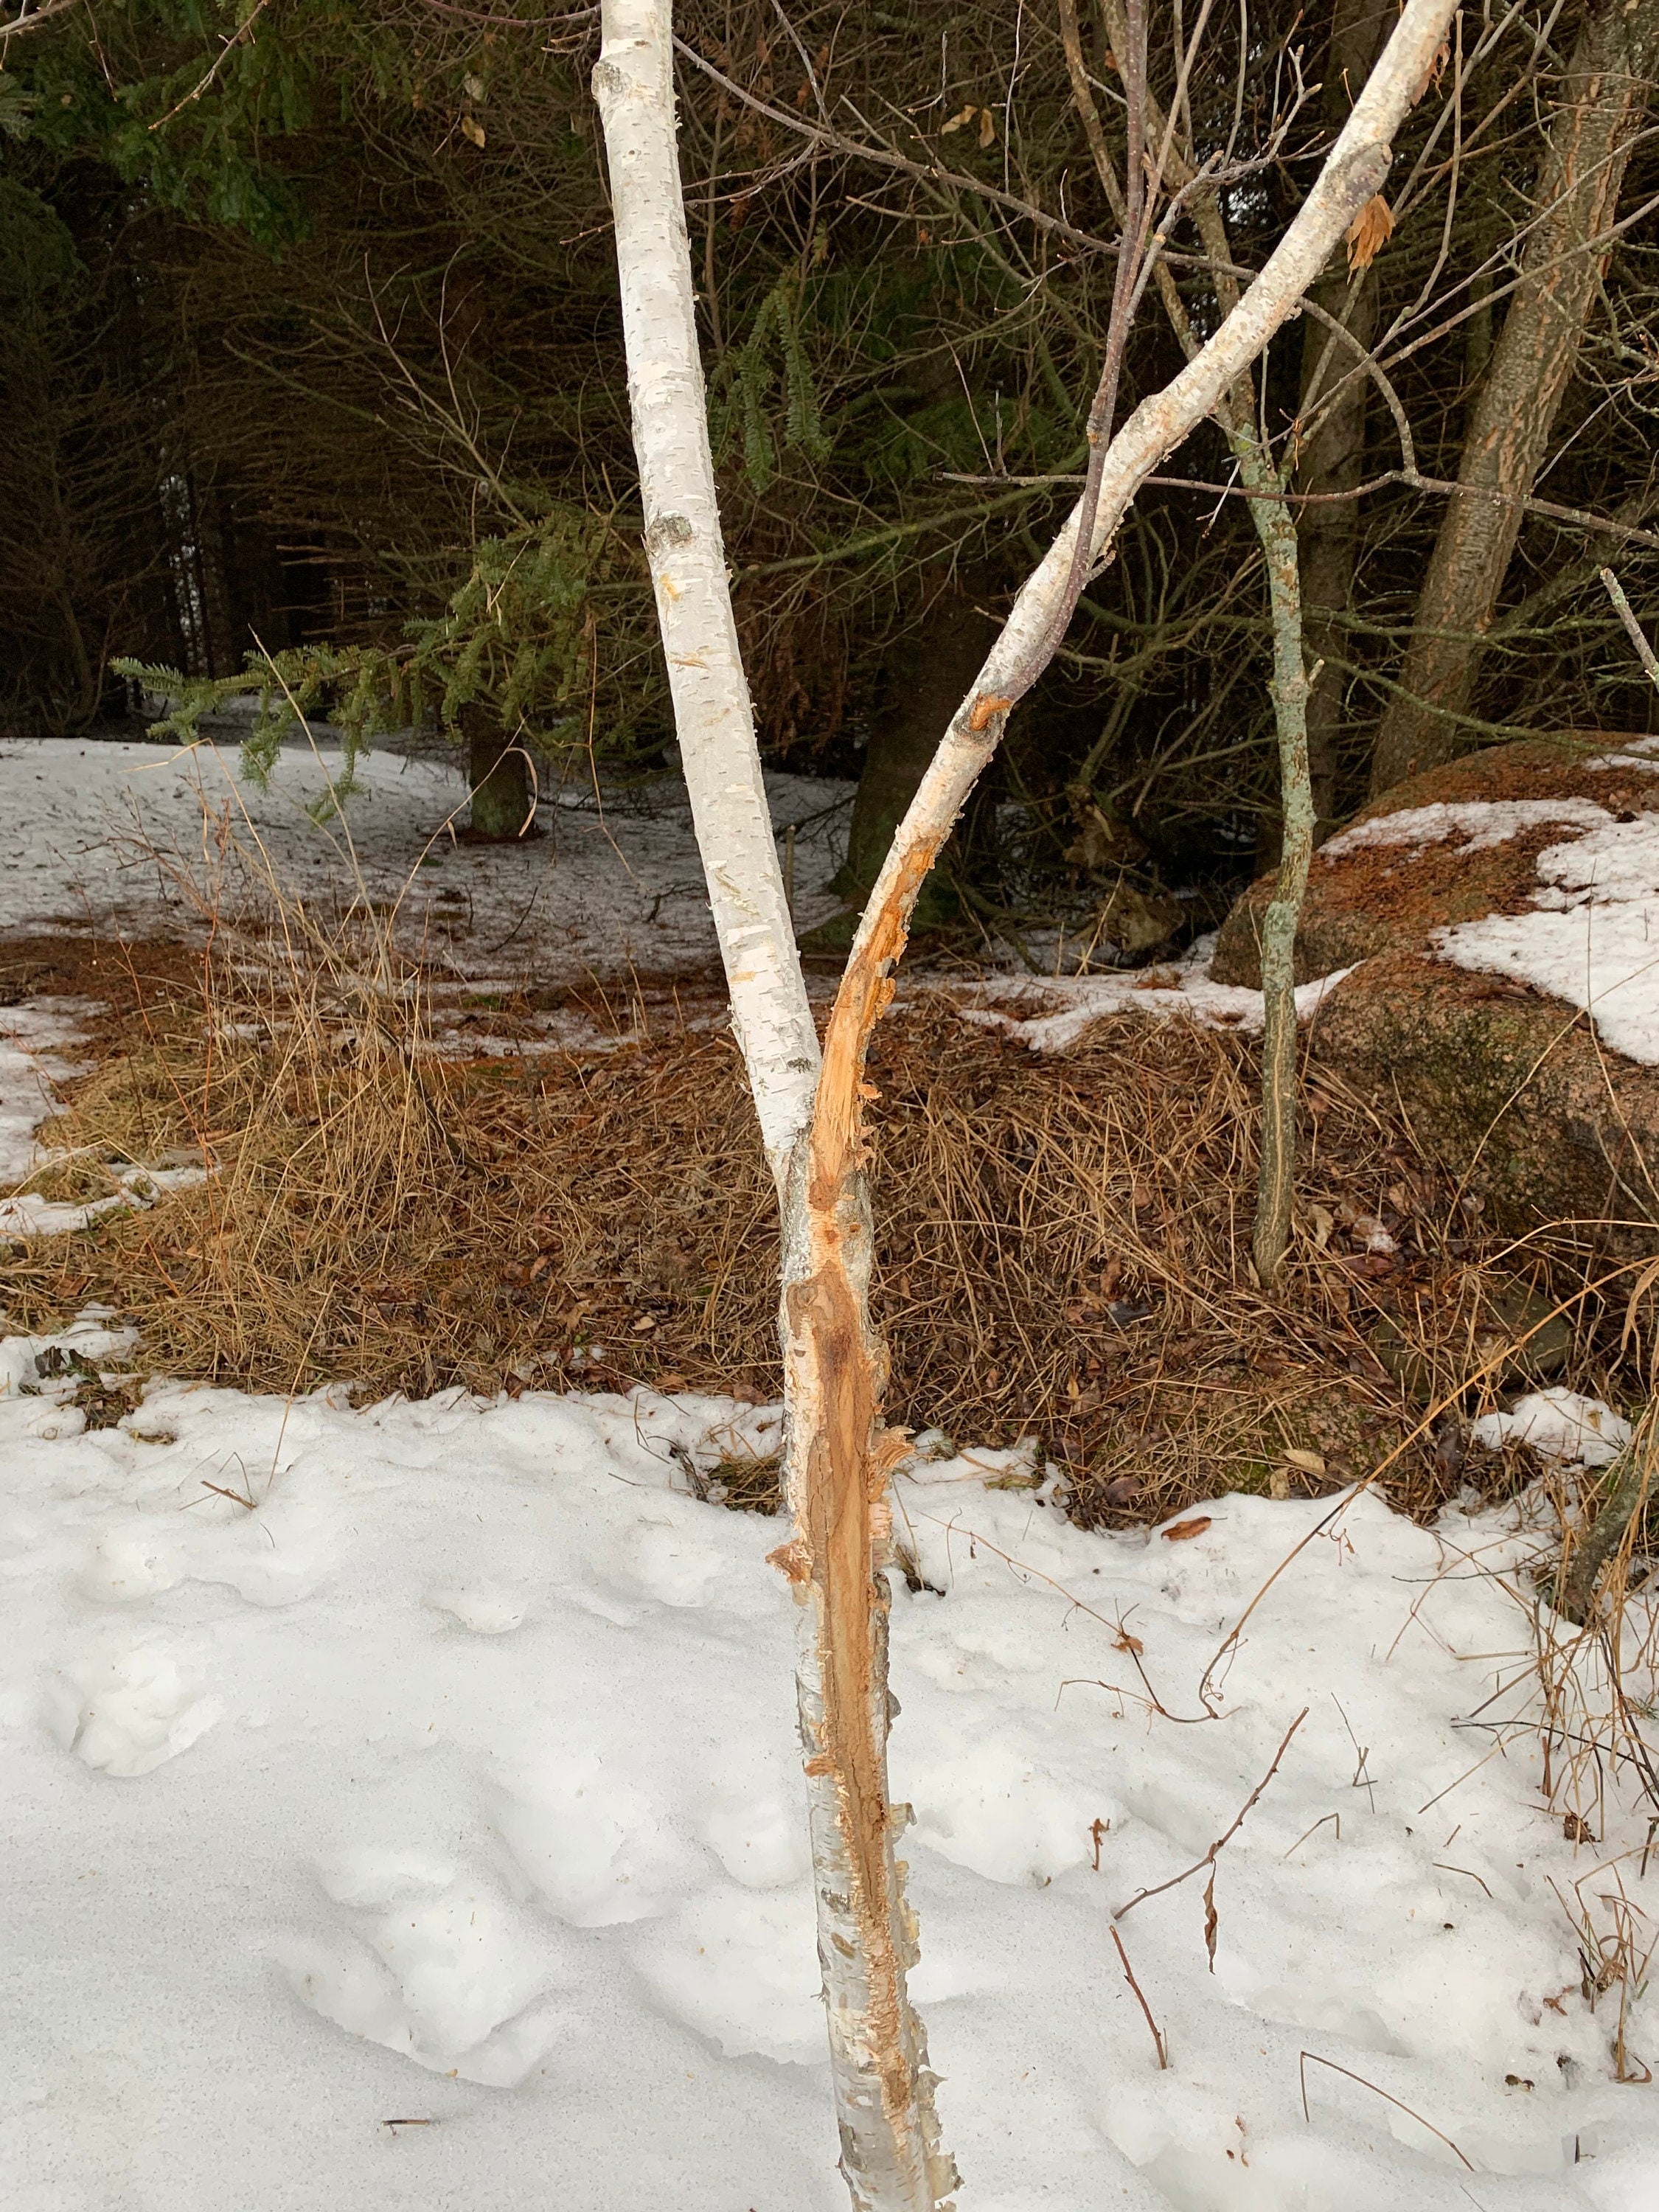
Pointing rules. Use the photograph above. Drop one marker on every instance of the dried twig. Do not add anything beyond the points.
(1303, 2067)
(1221, 1842)
(1158, 2043)
(1644, 652)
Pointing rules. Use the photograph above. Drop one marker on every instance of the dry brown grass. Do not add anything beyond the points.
(1063, 1243)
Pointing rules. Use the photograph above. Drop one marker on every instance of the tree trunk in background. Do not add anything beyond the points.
(498, 777)
(1603, 99)
(1332, 458)
(925, 677)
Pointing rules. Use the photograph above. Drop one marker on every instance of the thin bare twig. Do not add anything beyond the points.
(1644, 652)
(1221, 1842)
(1372, 2086)
(1158, 2043)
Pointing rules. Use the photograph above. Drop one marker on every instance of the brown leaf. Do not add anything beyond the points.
(1131, 1644)
(1183, 1531)
(987, 129)
(1575, 1829)
(1370, 232)
(473, 129)
(1122, 1490)
(963, 115)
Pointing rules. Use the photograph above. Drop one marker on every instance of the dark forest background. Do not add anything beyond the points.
(310, 347)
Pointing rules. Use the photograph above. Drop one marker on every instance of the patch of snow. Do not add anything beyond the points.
(27, 1214)
(1561, 1425)
(32, 1040)
(1180, 987)
(1479, 823)
(454, 1778)
(145, 840)
(1591, 936)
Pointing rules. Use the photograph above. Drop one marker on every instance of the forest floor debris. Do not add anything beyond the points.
(1062, 1253)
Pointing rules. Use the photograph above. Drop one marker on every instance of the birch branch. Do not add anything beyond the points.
(1357, 167)
(634, 86)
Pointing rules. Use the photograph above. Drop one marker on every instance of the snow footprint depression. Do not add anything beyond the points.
(453, 1778)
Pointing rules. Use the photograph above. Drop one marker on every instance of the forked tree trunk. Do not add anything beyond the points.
(838, 1456)
(1603, 97)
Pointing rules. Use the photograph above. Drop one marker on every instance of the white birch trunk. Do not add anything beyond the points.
(634, 85)
(837, 1468)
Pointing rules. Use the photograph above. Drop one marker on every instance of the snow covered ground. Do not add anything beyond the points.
(33, 1041)
(142, 838)
(450, 1781)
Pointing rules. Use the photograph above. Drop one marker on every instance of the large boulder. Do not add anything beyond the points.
(1500, 918)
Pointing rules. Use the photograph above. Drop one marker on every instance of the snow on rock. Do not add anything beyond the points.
(146, 839)
(1591, 935)
(1477, 823)
(453, 1776)
(1561, 1425)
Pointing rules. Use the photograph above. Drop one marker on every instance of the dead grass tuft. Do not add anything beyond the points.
(1063, 1243)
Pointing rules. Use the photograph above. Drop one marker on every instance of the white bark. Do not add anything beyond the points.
(838, 1456)
(1356, 169)
(634, 85)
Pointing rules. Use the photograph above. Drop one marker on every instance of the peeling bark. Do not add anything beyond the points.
(839, 1455)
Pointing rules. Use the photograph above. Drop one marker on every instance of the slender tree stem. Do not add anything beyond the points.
(1275, 1188)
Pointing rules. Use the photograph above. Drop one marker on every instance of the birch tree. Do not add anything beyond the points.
(810, 1103)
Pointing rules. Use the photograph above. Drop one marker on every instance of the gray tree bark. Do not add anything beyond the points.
(498, 777)
(923, 680)
(1603, 97)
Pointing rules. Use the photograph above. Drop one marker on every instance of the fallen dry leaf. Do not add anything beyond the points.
(1309, 1462)
(1370, 232)
(963, 115)
(1131, 1644)
(1183, 1530)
